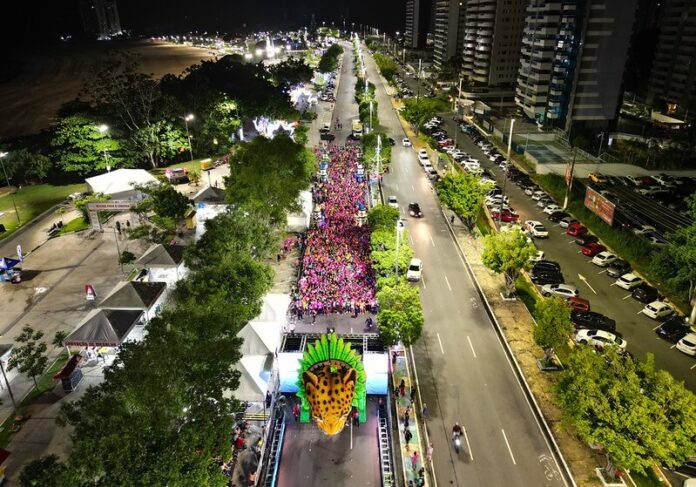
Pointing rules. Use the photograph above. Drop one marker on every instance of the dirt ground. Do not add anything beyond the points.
(51, 77)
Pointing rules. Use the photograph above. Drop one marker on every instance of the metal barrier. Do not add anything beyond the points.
(385, 458)
(276, 442)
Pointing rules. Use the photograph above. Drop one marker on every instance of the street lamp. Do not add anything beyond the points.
(103, 128)
(14, 203)
(370, 115)
(187, 119)
(509, 149)
(399, 231)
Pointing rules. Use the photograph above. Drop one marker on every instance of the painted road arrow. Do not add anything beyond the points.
(584, 279)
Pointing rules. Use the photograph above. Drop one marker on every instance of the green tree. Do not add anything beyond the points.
(464, 194)
(79, 146)
(59, 338)
(164, 200)
(400, 314)
(639, 416)
(382, 217)
(24, 165)
(386, 66)
(267, 175)
(159, 141)
(507, 253)
(418, 111)
(29, 356)
(291, 72)
(48, 470)
(553, 325)
(329, 60)
(383, 255)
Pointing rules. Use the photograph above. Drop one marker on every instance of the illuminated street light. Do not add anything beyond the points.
(19, 222)
(187, 119)
(103, 128)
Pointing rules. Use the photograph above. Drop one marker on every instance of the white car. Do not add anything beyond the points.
(629, 281)
(471, 164)
(415, 270)
(657, 310)
(423, 152)
(599, 338)
(562, 290)
(539, 256)
(406, 142)
(537, 195)
(393, 202)
(536, 229)
(635, 180)
(688, 344)
(603, 259)
(551, 209)
(423, 159)
(567, 221)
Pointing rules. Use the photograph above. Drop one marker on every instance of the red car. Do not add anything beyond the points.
(508, 216)
(592, 249)
(445, 143)
(576, 229)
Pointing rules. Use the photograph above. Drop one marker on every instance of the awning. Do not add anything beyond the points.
(104, 328)
(162, 256)
(133, 295)
(6, 263)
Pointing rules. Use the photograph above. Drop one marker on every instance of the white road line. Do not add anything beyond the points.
(508, 446)
(440, 342)
(673, 346)
(692, 367)
(397, 187)
(413, 189)
(472, 346)
(431, 240)
(448, 284)
(423, 281)
(639, 312)
(602, 272)
(628, 296)
(411, 237)
(656, 327)
(468, 445)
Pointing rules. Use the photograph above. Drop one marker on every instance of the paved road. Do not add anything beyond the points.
(463, 372)
(606, 298)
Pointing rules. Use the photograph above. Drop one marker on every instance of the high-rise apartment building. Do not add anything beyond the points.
(572, 61)
(673, 73)
(100, 18)
(418, 17)
(448, 31)
(491, 43)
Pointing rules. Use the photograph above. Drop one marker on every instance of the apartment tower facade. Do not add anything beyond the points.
(449, 30)
(417, 23)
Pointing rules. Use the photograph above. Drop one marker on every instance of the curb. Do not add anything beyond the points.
(533, 405)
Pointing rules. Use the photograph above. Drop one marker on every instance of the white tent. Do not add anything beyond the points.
(299, 221)
(256, 372)
(274, 309)
(119, 184)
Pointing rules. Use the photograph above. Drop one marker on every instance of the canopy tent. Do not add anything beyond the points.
(209, 194)
(120, 184)
(162, 256)
(274, 309)
(255, 374)
(299, 221)
(104, 328)
(135, 295)
(260, 338)
(6, 263)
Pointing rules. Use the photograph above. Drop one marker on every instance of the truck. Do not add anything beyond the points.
(357, 129)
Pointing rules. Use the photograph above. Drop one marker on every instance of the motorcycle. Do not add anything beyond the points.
(457, 442)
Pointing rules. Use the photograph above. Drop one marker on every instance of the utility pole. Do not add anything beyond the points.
(509, 151)
(569, 179)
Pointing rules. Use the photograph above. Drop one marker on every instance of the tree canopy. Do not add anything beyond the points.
(553, 325)
(400, 316)
(23, 165)
(329, 60)
(507, 253)
(464, 194)
(164, 200)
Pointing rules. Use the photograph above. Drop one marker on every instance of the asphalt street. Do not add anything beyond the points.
(599, 288)
(463, 372)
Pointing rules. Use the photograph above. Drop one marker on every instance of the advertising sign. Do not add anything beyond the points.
(600, 206)
(90, 294)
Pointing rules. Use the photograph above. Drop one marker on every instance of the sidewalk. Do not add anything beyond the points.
(402, 403)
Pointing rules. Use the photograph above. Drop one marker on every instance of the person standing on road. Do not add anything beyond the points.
(414, 461)
(413, 394)
(424, 411)
(429, 453)
(452, 220)
(402, 388)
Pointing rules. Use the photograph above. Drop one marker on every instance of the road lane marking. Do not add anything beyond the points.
(628, 296)
(602, 272)
(397, 187)
(692, 367)
(413, 189)
(639, 312)
(448, 284)
(440, 342)
(431, 240)
(472, 346)
(672, 345)
(610, 285)
(508, 446)
(572, 241)
(423, 281)
(656, 327)
(468, 445)
(411, 237)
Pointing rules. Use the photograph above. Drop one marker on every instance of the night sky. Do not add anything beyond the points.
(29, 20)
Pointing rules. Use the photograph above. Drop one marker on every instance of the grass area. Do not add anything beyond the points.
(527, 294)
(194, 165)
(31, 202)
(649, 480)
(483, 224)
(46, 383)
(74, 225)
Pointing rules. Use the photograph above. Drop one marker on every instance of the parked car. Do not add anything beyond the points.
(546, 276)
(423, 159)
(596, 177)
(562, 290)
(393, 202)
(539, 256)
(592, 320)
(406, 142)
(645, 294)
(618, 268)
(567, 222)
(576, 229)
(629, 281)
(592, 249)
(177, 175)
(552, 208)
(603, 259)
(687, 344)
(537, 195)
(423, 152)
(673, 329)
(599, 338)
(657, 310)
(585, 239)
(508, 216)
(546, 265)
(579, 304)
(536, 229)
(415, 270)
(557, 216)
(414, 209)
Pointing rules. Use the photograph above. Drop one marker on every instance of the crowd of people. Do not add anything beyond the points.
(337, 273)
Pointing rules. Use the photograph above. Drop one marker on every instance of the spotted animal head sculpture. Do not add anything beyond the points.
(332, 376)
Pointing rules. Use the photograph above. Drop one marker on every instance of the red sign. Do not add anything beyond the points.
(600, 206)
(90, 294)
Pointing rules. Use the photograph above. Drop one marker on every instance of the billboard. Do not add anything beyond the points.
(600, 206)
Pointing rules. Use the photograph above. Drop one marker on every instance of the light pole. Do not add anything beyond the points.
(399, 231)
(370, 115)
(14, 203)
(569, 179)
(103, 128)
(187, 119)
(509, 150)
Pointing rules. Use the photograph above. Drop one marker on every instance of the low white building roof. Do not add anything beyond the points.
(119, 181)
